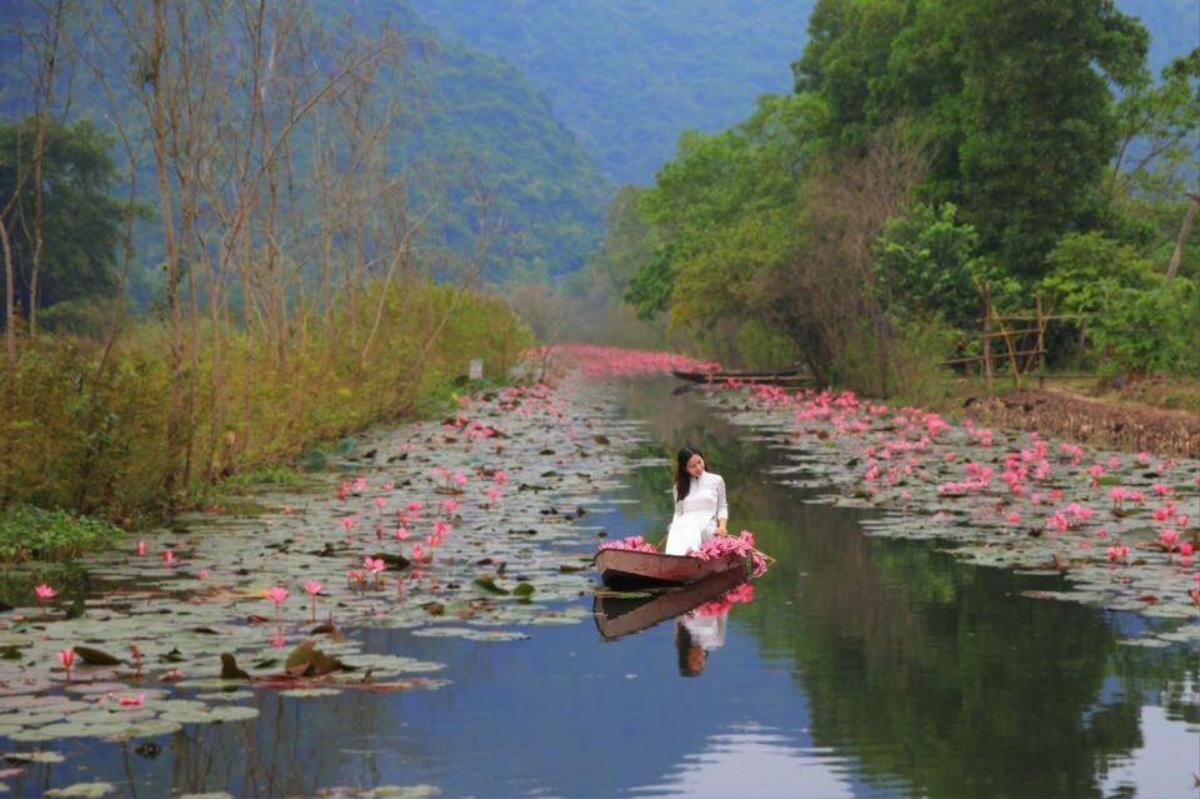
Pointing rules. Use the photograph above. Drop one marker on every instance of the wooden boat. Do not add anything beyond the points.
(781, 377)
(627, 569)
(619, 616)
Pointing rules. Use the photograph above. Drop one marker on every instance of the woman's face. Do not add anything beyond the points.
(695, 466)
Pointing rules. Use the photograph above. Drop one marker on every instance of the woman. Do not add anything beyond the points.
(696, 635)
(700, 508)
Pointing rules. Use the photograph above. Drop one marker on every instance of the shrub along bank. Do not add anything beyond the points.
(86, 427)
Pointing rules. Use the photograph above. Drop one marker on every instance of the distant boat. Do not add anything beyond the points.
(792, 378)
(619, 616)
(629, 569)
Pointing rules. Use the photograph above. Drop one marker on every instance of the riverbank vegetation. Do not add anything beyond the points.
(248, 156)
(936, 170)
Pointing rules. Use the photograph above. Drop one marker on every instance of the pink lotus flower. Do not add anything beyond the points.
(277, 594)
(67, 657)
(1186, 549)
(440, 527)
(1167, 539)
(449, 506)
(1013, 518)
(347, 523)
(360, 484)
(374, 565)
(140, 548)
(418, 553)
(169, 557)
(415, 505)
(1118, 553)
(493, 493)
(312, 587)
(1161, 489)
(460, 479)
(500, 476)
(133, 701)
(202, 574)
(400, 534)
(381, 502)
(44, 592)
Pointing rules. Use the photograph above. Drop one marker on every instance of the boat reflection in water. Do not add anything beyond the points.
(700, 609)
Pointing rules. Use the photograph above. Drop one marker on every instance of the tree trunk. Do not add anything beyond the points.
(1184, 232)
(10, 326)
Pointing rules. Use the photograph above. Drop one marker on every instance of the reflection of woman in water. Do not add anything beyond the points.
(697, 634)
(700, 507)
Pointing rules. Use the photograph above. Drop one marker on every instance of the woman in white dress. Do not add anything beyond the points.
(700, 508)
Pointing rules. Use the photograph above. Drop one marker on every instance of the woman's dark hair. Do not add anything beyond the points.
(683, 480)
(684, 644)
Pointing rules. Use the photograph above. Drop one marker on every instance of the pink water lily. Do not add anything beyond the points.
(1168, 539)
(277, 594)
(312, 588)
(44, 592)
(169, 558)
(140, 547)
(67, 657)
(136, 700)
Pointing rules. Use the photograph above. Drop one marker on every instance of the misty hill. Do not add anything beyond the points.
(484, 144)
(629, 76)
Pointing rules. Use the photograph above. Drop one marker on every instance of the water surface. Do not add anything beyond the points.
(863, 667)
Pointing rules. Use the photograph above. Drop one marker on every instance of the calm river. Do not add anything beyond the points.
(863, 667)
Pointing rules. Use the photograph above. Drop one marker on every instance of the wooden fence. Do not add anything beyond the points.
(1015, 341)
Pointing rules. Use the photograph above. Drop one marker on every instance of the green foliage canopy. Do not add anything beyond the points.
(82, 221)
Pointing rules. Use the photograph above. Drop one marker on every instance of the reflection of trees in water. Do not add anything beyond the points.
(924, 668)
(293, 747)
(931, 670)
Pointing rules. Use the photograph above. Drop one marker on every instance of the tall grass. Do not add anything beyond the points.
(87, 433)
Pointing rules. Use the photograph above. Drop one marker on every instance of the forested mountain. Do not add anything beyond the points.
(493, 176)
(629, 76)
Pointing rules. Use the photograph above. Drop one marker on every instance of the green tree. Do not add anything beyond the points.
(82, 224)
(928, 263)
(1036, 92)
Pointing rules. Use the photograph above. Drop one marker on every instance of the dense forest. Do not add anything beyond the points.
(937, 164)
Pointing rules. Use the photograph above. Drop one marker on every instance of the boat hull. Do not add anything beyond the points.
(626, 569)
(620, 616)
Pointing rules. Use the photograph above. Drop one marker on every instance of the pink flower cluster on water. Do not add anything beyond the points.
(909, 446)
(634, 543)
(596, 361)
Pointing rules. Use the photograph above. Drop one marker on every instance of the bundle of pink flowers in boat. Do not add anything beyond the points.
(740, 544)
(635, 543)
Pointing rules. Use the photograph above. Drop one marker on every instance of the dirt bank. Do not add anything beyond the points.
(1119, 425)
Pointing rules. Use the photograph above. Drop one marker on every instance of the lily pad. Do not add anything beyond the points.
(84, 790)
